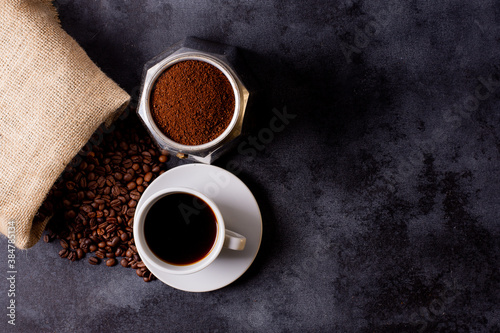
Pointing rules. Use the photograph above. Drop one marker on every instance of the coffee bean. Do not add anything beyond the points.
(131, 212)
(139, 272)
(70, 214)
(148, 176)
(101, 181)
(80, 253)
(146, 279)
(86, 208)
(127, 177)
(110, 262)
(124, 262)
(101, 171)
(81, 195)
(135, 195)
(123, 145)
(100, 254)
(116, 159)
(110, 255)
(93, 248)
(162, 159)
(64, 244)
(127, 163)
(119, 252)
(115, 203)
(124, 237)
(115, 242)
(136, 159)
(111, 219)
(110, 228)
(94, 261)
(46, 238)
(63, 253)
(102, 245)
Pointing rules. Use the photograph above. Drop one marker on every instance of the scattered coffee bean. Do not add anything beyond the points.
(124, 237)
(94, 261)
(115, 241)
(118, 252)
(124, 262)
(63, 253)
(110, 262)
(97, 195)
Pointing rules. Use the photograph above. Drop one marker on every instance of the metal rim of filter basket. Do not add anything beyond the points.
(200, 56)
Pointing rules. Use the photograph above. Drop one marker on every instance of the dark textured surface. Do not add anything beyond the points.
(380, 199)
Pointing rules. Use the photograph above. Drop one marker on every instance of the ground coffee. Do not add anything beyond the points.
(192, 102)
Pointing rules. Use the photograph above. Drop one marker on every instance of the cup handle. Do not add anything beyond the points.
(234, 241)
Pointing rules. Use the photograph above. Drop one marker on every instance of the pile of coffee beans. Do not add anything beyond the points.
(93, 202)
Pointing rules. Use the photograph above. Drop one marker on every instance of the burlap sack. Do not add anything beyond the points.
(52, 98)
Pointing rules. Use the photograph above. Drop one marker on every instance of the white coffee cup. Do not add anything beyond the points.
(224, 238)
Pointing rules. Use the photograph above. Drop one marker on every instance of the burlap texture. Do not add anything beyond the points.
(52, 98)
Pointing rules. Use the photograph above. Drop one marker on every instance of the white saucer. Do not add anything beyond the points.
(241, 214)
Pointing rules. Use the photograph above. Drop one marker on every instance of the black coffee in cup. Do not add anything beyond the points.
(180, 229)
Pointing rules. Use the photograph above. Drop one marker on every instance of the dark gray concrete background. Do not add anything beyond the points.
(380, 199)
